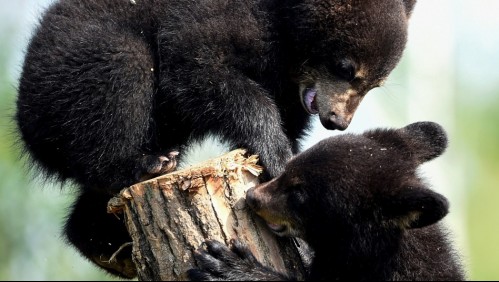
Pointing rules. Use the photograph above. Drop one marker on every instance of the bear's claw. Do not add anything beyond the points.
(151, 166)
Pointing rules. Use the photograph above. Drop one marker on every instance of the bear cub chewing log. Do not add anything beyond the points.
(110, 90)
(358, 202)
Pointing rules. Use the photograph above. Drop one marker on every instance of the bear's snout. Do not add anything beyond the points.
(257, 197)
(335, 122)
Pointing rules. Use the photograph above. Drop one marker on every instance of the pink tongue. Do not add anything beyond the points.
(309, 100)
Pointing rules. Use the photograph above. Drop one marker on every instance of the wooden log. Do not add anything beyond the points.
(168, 218)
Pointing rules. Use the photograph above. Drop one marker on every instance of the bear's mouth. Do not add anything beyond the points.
(308, 100)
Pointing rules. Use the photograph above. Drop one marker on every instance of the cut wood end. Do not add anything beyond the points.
(191, 178)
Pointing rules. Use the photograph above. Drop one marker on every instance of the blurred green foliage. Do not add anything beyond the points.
(31, 218)
(481, 136)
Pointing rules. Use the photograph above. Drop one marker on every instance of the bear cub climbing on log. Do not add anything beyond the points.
(110, 90)
(358, 202)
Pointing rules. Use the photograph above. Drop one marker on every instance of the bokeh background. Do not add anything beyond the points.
(449, 75)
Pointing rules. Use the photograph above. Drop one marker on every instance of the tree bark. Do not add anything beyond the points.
(168, 218)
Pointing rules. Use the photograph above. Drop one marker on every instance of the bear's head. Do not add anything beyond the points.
(341, 49)
(355, 186)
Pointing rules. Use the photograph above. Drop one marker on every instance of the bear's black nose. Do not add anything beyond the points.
(251, 199)
(335, 121)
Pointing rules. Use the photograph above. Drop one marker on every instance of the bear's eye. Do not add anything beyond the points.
(298, 193)
(345, 69)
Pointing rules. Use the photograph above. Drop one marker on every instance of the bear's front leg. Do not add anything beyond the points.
(233, 106)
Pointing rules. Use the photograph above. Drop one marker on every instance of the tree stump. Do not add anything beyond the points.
(168, 218)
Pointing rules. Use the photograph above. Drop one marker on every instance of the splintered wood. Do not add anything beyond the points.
(168, 218)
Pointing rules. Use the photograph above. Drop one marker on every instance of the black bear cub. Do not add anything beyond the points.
(360, 204)
(111, 90)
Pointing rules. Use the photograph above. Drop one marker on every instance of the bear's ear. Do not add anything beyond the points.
(415, 207)
(426, 140)
(409, 7)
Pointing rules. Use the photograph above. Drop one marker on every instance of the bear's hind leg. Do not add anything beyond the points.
(98, 235)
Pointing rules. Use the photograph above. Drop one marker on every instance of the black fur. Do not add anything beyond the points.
(111, 87)
(359, 203)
